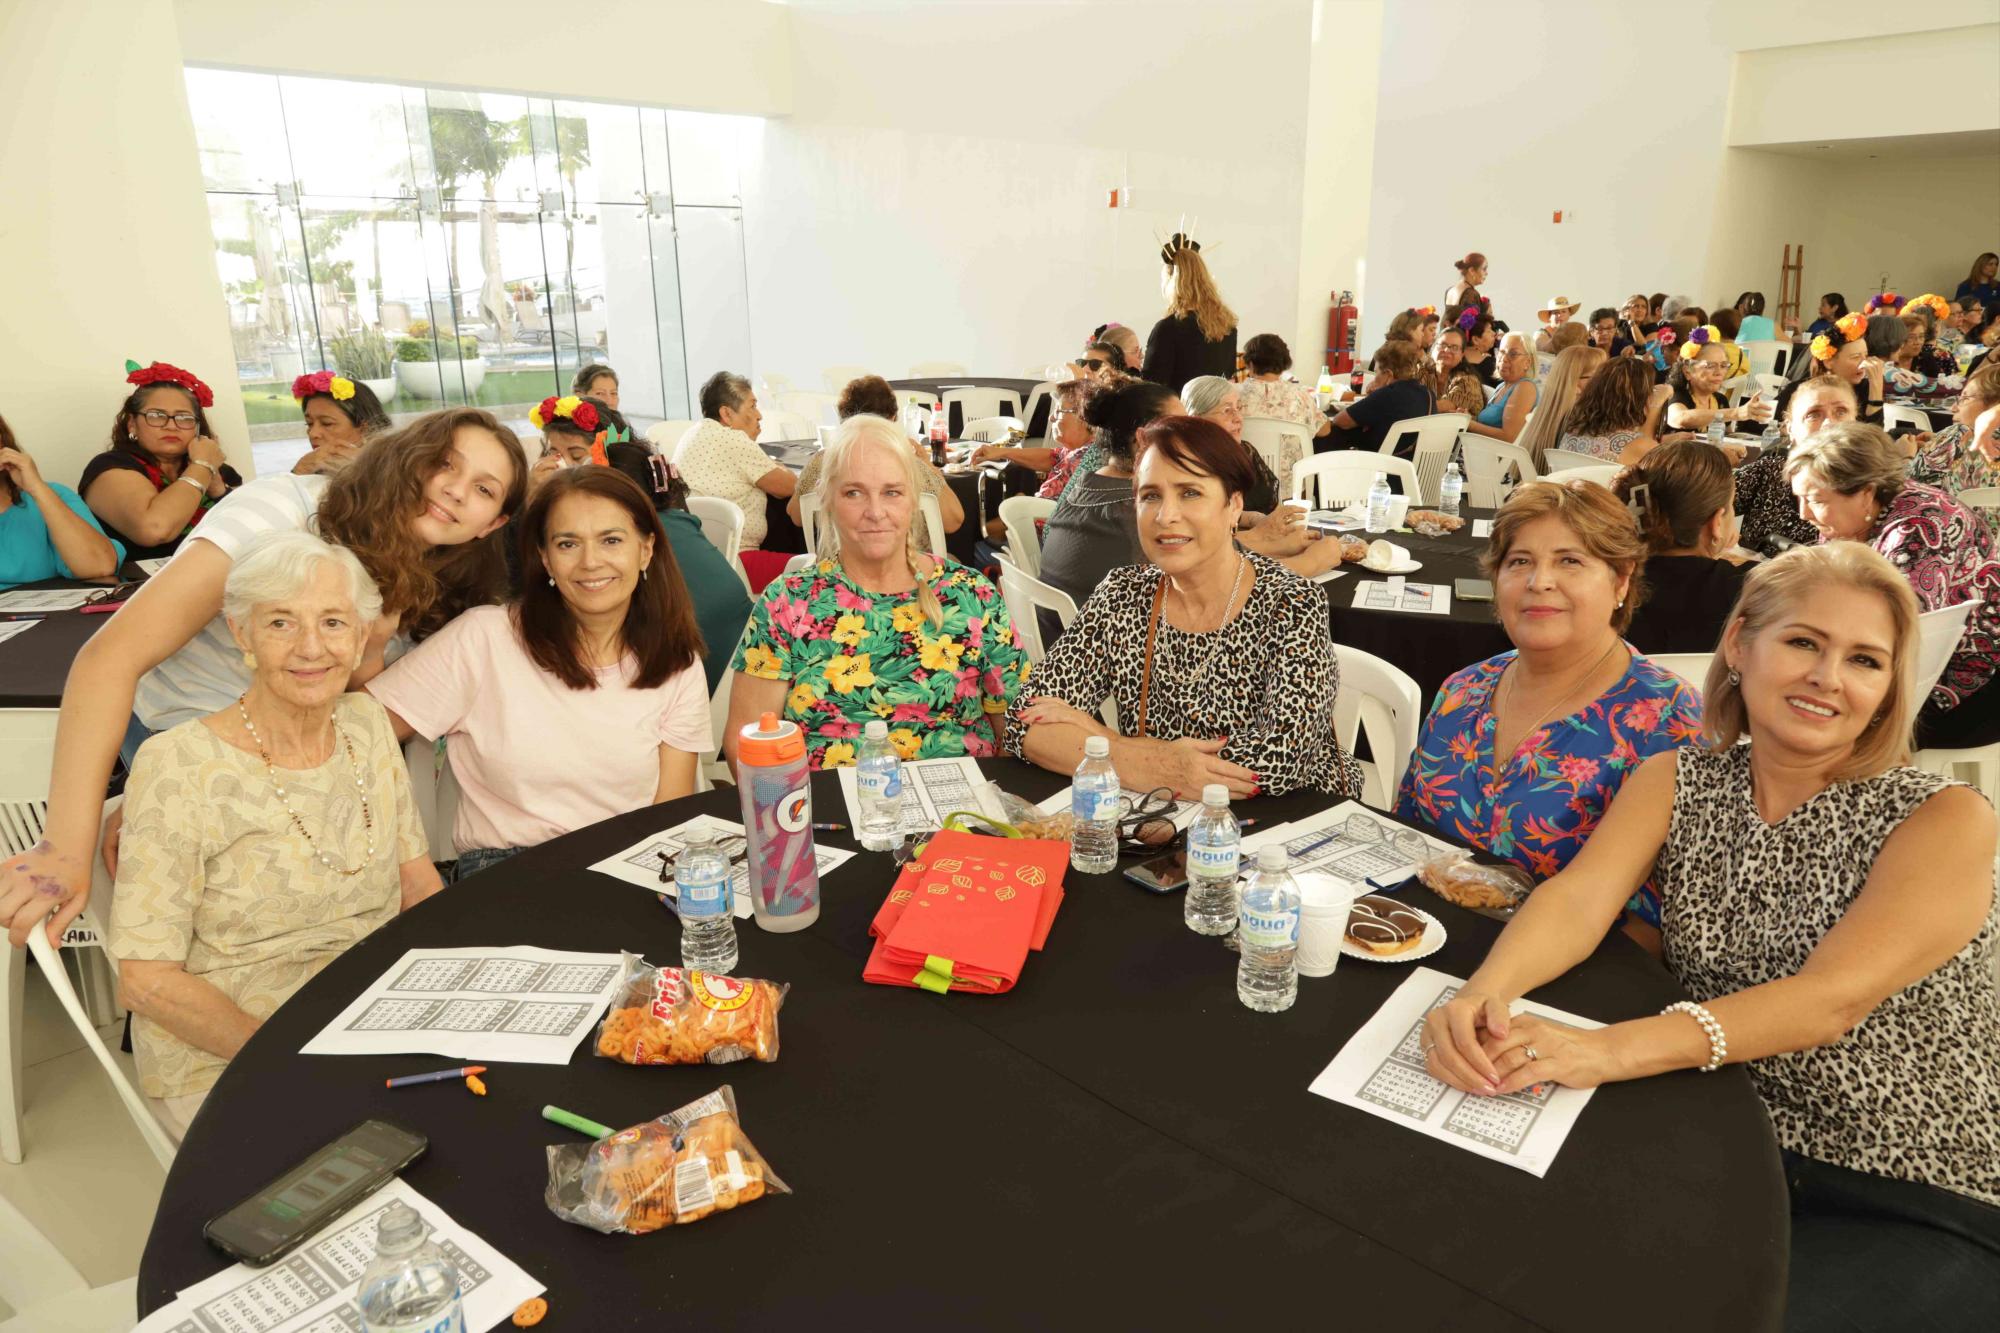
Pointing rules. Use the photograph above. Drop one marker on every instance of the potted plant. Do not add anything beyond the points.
(365, 358)
(417, 369)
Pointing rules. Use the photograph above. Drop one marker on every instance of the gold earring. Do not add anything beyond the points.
(249, 659)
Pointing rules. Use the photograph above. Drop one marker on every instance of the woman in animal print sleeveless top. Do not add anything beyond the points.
(1831, 912)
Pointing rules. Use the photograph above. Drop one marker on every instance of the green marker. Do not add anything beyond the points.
(571, 1120)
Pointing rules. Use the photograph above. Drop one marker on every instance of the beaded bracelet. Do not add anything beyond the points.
(1718, 1044)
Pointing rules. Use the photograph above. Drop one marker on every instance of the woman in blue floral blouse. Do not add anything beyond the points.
(1522, 753)
(875, 628)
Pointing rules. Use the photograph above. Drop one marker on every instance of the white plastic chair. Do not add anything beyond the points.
(1267, 435)
(434, 790)
(1601, 473)
(819, 408)
(664, 435)
(991, 430)
(836, 377)
(1895, 414)
(713, 768)
(1772, 385)
(785, 426)
(1487, 464)
(1735, 389)
(1690, 667)
(932, 370)
(1980, 497)
(1763, 356)
(1377, 697)
(1024, 541)
(927, 505)
(974, 403)
(722, 524)
(1561, 460)
(45, 1293)
(1437, 438)
(1344, 476)
(1024, 595)
(770, 386)
(1938, 635)
(1491, 389)
(1046, 389)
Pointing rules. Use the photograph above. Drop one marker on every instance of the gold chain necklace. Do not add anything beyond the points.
(1200, 671)
(367, 815)
(1513, 681)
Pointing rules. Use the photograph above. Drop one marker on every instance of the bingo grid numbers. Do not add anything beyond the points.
(502, 974)
(1401, 1084)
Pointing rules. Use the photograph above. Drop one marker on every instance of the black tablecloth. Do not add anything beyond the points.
(34, 664)
(1429, 648)
(1117, 1142)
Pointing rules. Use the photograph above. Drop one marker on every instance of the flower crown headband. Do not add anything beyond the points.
(584, 417)
(1886, 301)
(1698, 339)
(1851, 328)
(1469, 317)
(1932, 302)
(162, 373)
(1424, 312)
(322, 381)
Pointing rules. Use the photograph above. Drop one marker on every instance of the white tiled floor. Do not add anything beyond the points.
(87, 1182)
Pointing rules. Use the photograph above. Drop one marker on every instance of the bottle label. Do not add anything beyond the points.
(1093, 805)
(1269, 929)
(1212, 859)
(795, 810)
(703, 895)
(882, 783)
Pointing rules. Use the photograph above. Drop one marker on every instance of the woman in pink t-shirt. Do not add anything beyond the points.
(582, 700)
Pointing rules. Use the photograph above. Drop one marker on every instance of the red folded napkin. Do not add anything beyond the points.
(964, 915)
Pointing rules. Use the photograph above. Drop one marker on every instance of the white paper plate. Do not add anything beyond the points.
(1433, 941)
(1407, 567)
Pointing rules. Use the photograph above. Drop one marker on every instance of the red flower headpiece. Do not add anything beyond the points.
(162, 373)
(573, 408)
(322, 381)
(1424, 311)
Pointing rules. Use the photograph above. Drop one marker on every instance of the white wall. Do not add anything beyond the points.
(1339, 163)
(1489, 120)
(939, 192)
(1781, 94)
(710, 55)
(105, 247)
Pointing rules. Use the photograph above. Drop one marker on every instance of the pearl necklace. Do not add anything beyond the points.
(367, 815)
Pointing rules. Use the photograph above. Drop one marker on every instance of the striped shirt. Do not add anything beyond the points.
(207, 673)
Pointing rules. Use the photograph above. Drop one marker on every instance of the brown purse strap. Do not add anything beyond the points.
(1146, 671)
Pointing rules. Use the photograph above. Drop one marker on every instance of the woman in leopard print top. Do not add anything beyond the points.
(1834, 909)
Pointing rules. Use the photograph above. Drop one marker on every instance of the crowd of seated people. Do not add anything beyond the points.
(1765, 835)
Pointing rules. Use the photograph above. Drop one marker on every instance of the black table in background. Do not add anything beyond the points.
(1115, 1143)
(1038, 427)
(34, 664)
(1428, 648)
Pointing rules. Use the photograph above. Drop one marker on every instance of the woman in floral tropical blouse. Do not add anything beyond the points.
(1522, 753)
(876, 629)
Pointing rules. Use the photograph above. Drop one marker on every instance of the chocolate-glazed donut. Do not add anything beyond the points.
(1382, 925)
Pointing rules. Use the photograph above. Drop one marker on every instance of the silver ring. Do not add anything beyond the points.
(1532, 1054)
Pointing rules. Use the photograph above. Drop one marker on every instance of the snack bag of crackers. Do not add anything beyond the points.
(1456, 878)
(667, 1172)
(671, 1016)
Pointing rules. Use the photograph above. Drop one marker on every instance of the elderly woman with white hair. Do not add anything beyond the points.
(1505, 416)
(1829, 911)
(1267, 525)
(877, 628)
(266, 838)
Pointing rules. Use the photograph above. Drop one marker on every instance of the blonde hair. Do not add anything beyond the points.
(1851, 457)
(864, 430)
(1774, 588)
(1600, 521)
(1555, 398)
(1195, 294)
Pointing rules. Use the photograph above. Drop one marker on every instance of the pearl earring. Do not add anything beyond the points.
(1735, 676)
(552, 582)
(642, 576)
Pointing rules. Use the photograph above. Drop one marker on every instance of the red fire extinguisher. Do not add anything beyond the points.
(1343, 330)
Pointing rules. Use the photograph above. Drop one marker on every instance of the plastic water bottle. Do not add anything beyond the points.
(1451, 488)
(878, 776)
(1213, 844)
(1325, 390)
(1093, 801)
(1267, 978)
(1774, 431)
(1717, 428)
(701, 884)
(1378, 504)
(775, 790)
(411, 1287)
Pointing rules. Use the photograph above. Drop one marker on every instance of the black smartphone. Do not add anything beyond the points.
(272, 1222)
(1165, 873)
(1472, 590)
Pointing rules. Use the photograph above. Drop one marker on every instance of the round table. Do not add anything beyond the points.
(1427, 647)
(1115, 1141)
(1020, 388)
(34, 664)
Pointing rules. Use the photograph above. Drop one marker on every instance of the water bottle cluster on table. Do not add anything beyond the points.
(1093, 804)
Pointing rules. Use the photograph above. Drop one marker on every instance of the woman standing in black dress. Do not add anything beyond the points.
(1198, 335)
